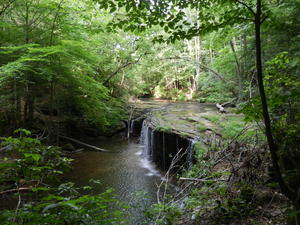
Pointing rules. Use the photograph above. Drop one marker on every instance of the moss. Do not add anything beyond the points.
(200, 150)
(201, 128)
(165, 129)
(232, 126)
(213, 118)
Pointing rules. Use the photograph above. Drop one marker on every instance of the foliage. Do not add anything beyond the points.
(164, 213)
(72, 209)
(63, 65)
(52, 67)
(31, 166)
(29, 161)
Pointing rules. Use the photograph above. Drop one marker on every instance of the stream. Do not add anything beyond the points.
(133, 178)
(126, 167)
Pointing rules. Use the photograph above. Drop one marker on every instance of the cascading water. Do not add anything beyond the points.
(190, 153)
(131, 126)
(146, 141)
(159, 146)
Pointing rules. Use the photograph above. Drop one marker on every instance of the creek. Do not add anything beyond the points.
(133, 178)
(129, 167)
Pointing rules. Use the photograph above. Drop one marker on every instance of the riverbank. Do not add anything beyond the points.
(230, 180)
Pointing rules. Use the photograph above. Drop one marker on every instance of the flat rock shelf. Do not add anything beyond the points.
(170, 129)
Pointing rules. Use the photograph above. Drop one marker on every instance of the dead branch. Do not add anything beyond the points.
(16, 190)
(200, 180)
(84, 144)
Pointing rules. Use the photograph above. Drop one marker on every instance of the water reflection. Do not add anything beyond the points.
(125, 170)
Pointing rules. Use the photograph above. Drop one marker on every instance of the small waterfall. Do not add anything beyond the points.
(146, 139)
(131, 126)
(152, 144)
(190, 153)
(159, 147)
(144, 133)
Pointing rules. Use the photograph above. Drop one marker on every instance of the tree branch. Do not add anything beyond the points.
(121, 68)
(5, 7)
(263, 19)
(220, 76)
(200, 180)
(84, 144)
(247, 6)
(16, 190)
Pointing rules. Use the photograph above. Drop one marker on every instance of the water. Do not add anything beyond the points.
(126, 170)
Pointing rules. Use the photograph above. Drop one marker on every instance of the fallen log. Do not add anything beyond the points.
(221, 108)
(73, 152)
(84, 144)
(199, 180)
(228, 104)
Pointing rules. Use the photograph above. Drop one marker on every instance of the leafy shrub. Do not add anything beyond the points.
(30, 166)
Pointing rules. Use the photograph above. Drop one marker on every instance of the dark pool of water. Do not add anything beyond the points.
(124, 169)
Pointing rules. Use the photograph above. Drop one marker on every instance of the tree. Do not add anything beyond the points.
(56, 62)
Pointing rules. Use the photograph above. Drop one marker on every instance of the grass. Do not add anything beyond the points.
(230, 125)
(164, 129)
(201, 128)
(213, 118)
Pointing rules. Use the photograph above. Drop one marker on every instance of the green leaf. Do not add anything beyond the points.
(22, 131)
(35, 157)
(39, 189)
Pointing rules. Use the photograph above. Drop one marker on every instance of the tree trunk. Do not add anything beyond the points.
(238, 69)
(31, 109)
(268, 130)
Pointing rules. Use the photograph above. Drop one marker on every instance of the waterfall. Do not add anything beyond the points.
(190, 153)
(131, 126)
(159, 146)
(152, 144)
(146, 139)
(144, 132)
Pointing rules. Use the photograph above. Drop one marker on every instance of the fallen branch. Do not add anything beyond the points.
(228, 104)
(75, 151)
(16, 190)
(7, 147)
(84, 144)
(199, 180)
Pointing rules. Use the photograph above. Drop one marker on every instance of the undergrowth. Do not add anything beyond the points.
(29, 175)
(229, 183)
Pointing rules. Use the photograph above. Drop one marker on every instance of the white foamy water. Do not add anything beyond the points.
(146, 164)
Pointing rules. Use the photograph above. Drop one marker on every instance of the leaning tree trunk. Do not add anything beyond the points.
(268, 130)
